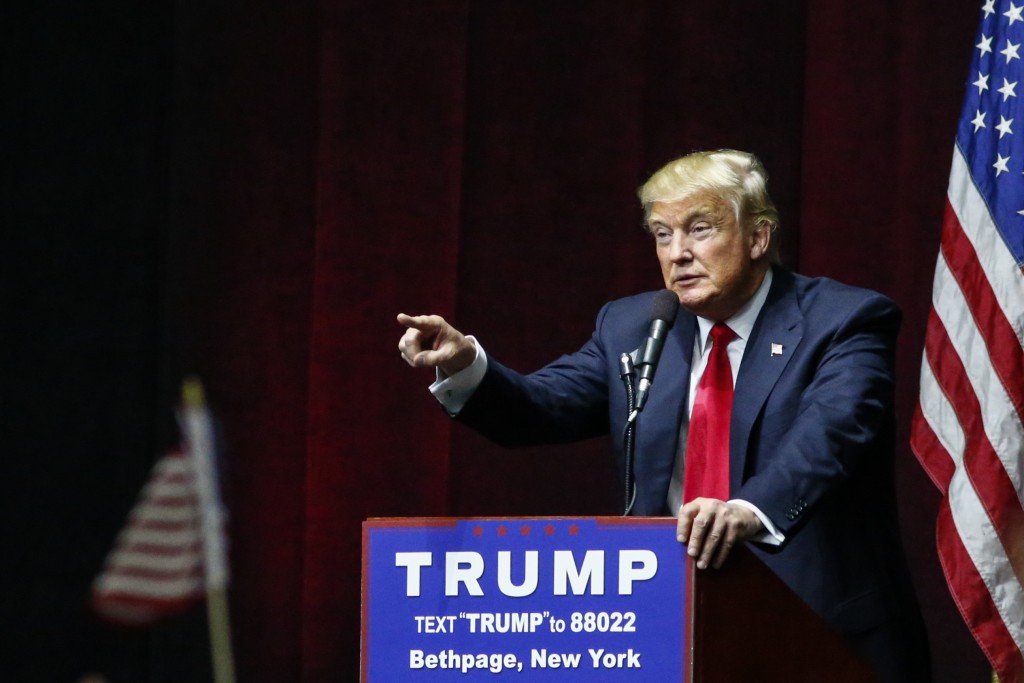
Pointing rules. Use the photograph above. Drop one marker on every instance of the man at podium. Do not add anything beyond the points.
(771, 421)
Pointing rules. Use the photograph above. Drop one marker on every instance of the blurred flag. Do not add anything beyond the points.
(156, 566)
(172, 552)
(967, 431)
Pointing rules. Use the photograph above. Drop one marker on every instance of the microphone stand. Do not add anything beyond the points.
(626, 373)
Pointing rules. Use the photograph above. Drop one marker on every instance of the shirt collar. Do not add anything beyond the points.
(742, 322)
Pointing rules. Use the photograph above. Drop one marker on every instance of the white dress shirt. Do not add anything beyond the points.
(742, 324)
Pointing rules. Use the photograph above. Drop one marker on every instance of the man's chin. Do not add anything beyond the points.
(694, 302)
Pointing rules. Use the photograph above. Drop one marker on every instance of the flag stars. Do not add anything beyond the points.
(1004, 126)
(1007, 90)
(1001, 164)
(505, 531)
(985, 45)
(1013, 14)
(1010, 51)
(979, 121)
(990, 8)
(982, 82)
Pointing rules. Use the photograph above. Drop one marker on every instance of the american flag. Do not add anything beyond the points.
(967, 430)
(156, 566)
(172, 550)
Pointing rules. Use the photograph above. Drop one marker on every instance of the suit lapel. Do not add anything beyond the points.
(773, 341)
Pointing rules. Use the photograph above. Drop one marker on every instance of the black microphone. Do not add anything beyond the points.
(664, 310)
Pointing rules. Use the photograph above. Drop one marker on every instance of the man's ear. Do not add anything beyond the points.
(760, 240)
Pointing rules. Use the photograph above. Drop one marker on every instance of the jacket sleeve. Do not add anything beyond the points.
(562, 402)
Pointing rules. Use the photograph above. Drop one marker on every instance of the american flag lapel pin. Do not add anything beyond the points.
(776, 349)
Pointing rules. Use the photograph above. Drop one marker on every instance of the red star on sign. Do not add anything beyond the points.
(478, 530)
(573, 530)
(525, 530)
(549, 529)
(502, 530)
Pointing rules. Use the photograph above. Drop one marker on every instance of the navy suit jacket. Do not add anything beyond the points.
(811, 440)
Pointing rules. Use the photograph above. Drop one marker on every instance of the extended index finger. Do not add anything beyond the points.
(423, 323)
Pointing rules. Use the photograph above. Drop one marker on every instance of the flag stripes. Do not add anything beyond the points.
(973, 244)
(967, 430)
(158, 586)
(984, 470)
(974, 601)
(968, 546)
(157, 562)
(148, 556)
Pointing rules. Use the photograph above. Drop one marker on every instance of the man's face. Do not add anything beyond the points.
(706, 259)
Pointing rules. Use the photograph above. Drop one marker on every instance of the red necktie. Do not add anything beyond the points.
(706, 473)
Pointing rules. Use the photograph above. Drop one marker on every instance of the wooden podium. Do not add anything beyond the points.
(580, 599)
(745, 624)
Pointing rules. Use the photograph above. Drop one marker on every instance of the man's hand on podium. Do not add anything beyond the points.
(430, 342)
(710, 528)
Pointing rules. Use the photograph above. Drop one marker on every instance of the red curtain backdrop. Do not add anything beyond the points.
(336, 162)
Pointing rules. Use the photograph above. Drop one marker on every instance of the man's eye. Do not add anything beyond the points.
(700, 228)
(662, 235)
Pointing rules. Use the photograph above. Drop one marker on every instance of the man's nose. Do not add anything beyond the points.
(680, 250)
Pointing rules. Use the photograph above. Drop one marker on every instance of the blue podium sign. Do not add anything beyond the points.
(549, 599)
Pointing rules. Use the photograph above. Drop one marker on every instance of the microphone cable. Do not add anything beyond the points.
(626, 373)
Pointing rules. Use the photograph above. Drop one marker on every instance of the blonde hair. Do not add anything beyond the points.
(737, 177)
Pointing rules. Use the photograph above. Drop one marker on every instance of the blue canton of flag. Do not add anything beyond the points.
(991, 134)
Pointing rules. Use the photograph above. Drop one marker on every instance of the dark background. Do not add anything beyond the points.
(252, 190)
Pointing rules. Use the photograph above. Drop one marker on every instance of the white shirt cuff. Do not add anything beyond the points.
(770, 535)
(452, 391)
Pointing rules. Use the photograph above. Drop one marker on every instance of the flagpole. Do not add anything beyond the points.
(199, 435)
(220, 635)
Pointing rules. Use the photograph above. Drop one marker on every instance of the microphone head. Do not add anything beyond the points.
(665, 306)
